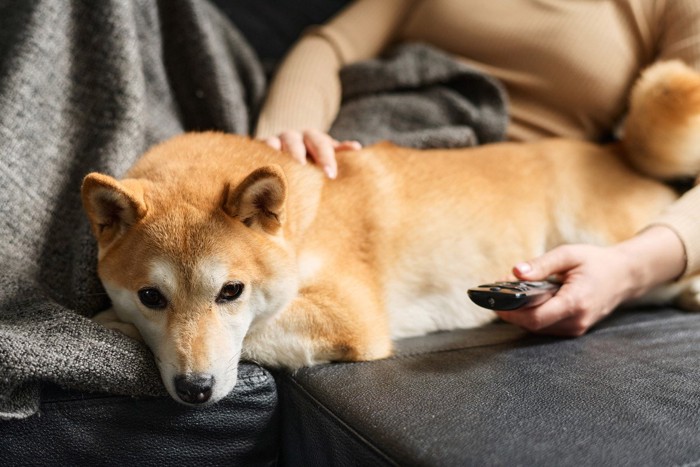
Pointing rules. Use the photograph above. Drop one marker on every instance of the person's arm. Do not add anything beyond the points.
(597, 279)
(678, 31)
(305, 92)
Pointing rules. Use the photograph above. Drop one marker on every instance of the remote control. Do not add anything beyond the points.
(506, 296)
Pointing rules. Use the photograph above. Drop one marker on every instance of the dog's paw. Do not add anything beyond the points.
(110, 320)
(689, 297)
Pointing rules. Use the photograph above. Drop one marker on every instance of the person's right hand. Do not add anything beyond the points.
(597, 279)
(312, 144)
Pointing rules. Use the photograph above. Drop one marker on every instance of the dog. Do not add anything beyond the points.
(217, 248)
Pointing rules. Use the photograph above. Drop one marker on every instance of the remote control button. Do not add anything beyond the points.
(494, 289)
(517, 288)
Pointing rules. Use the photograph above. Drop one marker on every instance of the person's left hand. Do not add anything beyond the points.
(595, 281)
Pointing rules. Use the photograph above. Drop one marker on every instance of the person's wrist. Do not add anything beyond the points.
(653, 257)
(634, 272)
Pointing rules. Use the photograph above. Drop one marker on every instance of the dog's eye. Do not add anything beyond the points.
(152, 298)
(230, 292)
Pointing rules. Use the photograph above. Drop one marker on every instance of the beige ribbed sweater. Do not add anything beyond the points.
(568, 65)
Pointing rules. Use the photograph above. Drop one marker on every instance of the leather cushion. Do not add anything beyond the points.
(92, 429)
(627, 393)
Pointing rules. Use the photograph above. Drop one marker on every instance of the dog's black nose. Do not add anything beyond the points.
(194, 388)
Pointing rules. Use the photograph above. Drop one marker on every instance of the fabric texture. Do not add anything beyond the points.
(418, 96)
(88, 86)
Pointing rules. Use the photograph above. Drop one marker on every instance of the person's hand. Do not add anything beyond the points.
(313, 144)
(595, 280)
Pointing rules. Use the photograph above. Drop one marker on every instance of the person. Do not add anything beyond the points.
(568, 68)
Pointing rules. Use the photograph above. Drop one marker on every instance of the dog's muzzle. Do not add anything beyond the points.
(194, 388)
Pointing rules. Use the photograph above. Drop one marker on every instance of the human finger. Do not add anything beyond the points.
(538, 318)
(347, 145)
(321, 148)
(555, 261)
(570, 312)
(293, 143)
(574, 326)
(274, 142)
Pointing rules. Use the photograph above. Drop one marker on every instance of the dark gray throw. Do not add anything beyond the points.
(420, 97)
(88, 86)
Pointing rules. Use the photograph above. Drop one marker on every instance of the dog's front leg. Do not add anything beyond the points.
(325, 323)
(110, 320)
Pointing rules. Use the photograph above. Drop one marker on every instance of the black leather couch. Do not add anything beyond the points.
(627, 393)
(96, 429)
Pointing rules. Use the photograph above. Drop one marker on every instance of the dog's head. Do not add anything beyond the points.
(192, 272)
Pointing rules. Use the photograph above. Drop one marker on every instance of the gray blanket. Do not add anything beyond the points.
(88, 86)
(420, 97)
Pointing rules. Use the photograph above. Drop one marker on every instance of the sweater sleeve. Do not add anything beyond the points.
(679, 38)
(305, 92)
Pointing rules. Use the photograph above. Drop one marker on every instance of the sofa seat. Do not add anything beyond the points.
(627, 393)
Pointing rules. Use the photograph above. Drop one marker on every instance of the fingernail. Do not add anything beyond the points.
(523, 268)
(330, 171)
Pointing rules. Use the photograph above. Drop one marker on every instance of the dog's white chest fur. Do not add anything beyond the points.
(416, 310)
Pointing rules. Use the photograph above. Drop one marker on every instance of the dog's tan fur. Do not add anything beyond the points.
(662, 134)
(334, 269)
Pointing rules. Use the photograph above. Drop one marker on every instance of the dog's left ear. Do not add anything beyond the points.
(112, 206)
(259, 200)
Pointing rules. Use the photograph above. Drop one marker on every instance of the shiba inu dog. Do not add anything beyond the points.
(216, 247)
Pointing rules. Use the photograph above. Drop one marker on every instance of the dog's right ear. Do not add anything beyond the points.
(259, 200)
(112, 206)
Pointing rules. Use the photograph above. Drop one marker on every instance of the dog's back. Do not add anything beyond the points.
(433, 223)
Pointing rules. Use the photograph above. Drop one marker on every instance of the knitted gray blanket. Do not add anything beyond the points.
(418, 96)
(88, 86)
